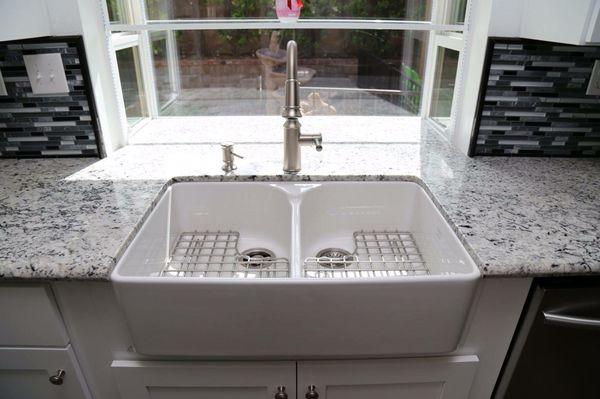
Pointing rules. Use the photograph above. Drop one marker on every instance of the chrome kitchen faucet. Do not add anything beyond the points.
(292, 137)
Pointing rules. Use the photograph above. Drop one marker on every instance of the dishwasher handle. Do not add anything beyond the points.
(571, 321)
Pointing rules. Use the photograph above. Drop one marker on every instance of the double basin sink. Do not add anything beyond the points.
(292, 270)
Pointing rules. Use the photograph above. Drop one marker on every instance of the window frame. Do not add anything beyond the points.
(441, 34)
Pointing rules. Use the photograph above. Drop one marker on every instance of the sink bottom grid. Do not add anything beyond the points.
(216, 254)
(376, 254)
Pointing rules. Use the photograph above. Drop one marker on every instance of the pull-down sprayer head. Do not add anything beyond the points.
(291, 108)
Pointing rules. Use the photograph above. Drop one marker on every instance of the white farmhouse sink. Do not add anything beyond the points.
(403, 287)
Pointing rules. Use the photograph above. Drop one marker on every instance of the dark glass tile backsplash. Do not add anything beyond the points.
(533, 101)
(46, 126)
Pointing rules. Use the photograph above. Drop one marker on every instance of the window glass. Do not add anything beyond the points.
(162, 75)
(456, 12)
(443, 86)
(343, 72)
(115, 11)
(131, 84)
(416, 10)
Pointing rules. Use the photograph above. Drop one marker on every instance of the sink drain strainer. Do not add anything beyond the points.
(256, 258)
(334, 258)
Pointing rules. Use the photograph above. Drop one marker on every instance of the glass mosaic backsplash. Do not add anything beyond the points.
(533, 101)
(47, 125)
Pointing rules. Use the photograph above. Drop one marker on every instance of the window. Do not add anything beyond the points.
(165, 65)
(227, 57)
(443, 86)
(132, 86)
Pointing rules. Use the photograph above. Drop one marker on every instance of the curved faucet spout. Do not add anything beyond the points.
(292, 61)
(291, 109)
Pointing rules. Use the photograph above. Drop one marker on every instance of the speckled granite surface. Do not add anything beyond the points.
(70, 219)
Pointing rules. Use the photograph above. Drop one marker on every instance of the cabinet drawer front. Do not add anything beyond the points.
(26, 372)
(447, 377)
(29, 317)
(203, 380)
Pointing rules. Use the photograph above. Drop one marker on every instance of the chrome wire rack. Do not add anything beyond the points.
(376, 254)
(215, 254)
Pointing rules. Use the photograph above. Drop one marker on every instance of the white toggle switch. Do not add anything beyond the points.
(2, 86)
(46, 73)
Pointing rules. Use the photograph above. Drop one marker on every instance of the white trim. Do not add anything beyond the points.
(104, 74)
(452, 42)
(209, 24)
(121, 41)
(478, 18)
(464, 54)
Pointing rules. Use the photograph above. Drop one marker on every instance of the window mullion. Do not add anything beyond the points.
(275, 24)
(429, 75)
(173, 63)
(148, 74)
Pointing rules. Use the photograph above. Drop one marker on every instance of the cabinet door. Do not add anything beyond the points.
(26, 372)
(29, 317)
(424, 378)
(204, 380)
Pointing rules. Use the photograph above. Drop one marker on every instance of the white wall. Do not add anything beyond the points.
(23, 19)
(64, 17)
(505, 18)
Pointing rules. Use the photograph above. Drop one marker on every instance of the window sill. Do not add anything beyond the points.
(268, 129)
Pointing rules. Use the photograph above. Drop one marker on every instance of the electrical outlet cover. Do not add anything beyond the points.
(594, 85)
(46, 73)
(2, 86)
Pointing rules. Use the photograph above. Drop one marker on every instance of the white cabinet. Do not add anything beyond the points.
(26, 373)
(204, 380)
(423, 378)
(36, 360)
(562, 21)
(29, 317)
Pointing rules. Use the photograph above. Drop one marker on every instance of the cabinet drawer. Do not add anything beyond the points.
(29, 317)
(203, 380)
(26, 372)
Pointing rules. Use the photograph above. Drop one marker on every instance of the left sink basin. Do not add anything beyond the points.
(213, 230)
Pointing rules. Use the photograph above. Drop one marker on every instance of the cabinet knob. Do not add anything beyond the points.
(312, 392)
(281, 393)
(58, 378)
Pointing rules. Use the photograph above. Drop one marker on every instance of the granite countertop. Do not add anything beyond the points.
(73, 218)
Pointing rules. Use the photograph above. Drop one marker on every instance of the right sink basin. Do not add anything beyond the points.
(377, 229)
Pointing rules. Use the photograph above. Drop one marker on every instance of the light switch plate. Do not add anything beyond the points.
(2, 86)
(594, 85)
(46, 73)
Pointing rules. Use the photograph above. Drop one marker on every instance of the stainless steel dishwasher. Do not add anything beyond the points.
(556, 353)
